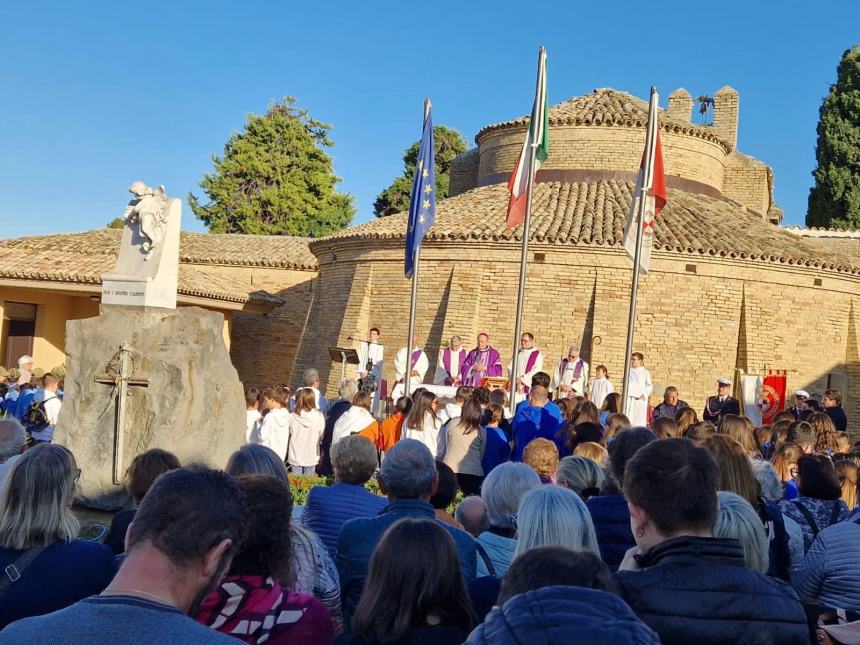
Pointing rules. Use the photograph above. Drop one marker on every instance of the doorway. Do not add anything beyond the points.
(19, 325)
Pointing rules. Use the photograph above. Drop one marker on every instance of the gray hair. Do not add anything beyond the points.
(354, 459)
(472, 514)
(503, 489)
(552, 515)
(739, 520)
(578, 473)
(36, 499)
(254, 459)
(348, 389)
(457, 338)
(573, 349)
(12, 438)
(409, 470)
(765, 473)
(310, 377)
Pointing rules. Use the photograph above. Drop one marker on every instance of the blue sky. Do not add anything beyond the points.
(95, 95)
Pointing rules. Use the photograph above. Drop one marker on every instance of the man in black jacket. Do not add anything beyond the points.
(670, 406)
(685, 584)
(833, 409)
(799, 409)
(722, 403)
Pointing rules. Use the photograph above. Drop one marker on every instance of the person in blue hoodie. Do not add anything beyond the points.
(534, 420)
(556, 596)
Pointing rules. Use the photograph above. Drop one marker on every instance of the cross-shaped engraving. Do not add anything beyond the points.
(120, 374)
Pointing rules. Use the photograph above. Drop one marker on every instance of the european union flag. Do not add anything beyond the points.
(422, 206)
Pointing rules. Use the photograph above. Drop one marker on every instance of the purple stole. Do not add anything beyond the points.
(492, 364)
(530, 363)
(415, 356)
(577, 369)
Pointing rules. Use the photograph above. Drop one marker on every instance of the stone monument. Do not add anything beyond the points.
(144, 374)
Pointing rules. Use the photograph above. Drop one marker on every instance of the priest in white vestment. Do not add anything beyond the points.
(450, 360)
(417, 361)
(571, 377)
(638, 391)
(529, 363)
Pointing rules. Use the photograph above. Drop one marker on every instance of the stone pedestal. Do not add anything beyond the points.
(193, 406)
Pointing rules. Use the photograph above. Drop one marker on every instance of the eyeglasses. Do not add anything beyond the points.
(77, 475)
(793, 471)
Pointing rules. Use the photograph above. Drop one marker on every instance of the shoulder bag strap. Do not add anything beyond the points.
(834, 516)
(810, 518)
(14, 571)
(486, 558)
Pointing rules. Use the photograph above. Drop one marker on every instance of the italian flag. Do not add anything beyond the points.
(538, 134)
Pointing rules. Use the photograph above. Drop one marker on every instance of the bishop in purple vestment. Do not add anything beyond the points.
(481, 362)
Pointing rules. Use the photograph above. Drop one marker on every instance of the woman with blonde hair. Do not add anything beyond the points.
(615, 423)
(611, 405)
(846, 470)
(593, 451)
(685, 417)
(785, 462)
(741, 430)
(825, 433)
(38, 534)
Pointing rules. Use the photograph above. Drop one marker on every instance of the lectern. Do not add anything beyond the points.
(343, 355)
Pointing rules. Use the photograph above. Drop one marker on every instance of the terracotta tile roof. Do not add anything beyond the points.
(83, 257)
(594, 214)
(607, 107)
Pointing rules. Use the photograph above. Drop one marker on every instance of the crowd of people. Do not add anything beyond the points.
(562, 523)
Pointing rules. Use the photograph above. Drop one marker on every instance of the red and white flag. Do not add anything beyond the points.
(652, 179)
(537, 135)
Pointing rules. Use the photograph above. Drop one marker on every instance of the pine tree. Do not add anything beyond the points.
(834, 201)
(275, 178)
(448, 144)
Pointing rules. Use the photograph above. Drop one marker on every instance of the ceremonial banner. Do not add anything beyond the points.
(422, 204)
(751, 388)
(538, 134)
(654, 181)
(773, 395)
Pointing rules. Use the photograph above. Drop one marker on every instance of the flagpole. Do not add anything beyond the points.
(518, 322)
(407, 381)
(634, 287)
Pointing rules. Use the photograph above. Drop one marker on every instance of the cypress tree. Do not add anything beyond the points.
(834, 200)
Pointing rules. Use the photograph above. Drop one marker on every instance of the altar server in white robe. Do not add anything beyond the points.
(373, 351)
(417, 359)
(529, 362)
(640, 388)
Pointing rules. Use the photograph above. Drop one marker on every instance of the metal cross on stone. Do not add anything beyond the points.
(120, 373)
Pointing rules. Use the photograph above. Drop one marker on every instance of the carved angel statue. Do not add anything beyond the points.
(147, 209)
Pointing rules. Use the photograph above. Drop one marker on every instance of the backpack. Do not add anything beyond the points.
(36, 417)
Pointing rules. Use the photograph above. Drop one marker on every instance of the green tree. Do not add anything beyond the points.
(275, 178)
(447, 144)
(834, 201)
(116, 222)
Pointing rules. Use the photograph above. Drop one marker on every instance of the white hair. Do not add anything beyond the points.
(573, 349)
(348, 389)
(579, 473)
(765, 473)
(457, 338)
(553, 515)
(739, 520)
(503, 489)
(408, 470)
(310, 377)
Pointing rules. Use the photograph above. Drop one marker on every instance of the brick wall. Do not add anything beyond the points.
(607, 148)
(464, 172)
(746, 181)
(692, 327)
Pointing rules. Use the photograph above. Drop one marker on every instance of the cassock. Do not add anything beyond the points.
(487, 357)
(718, 406)
(418, 362)
(529, 363)
(636, 398)
(600, 389)
(448, 366)
(572, 373)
